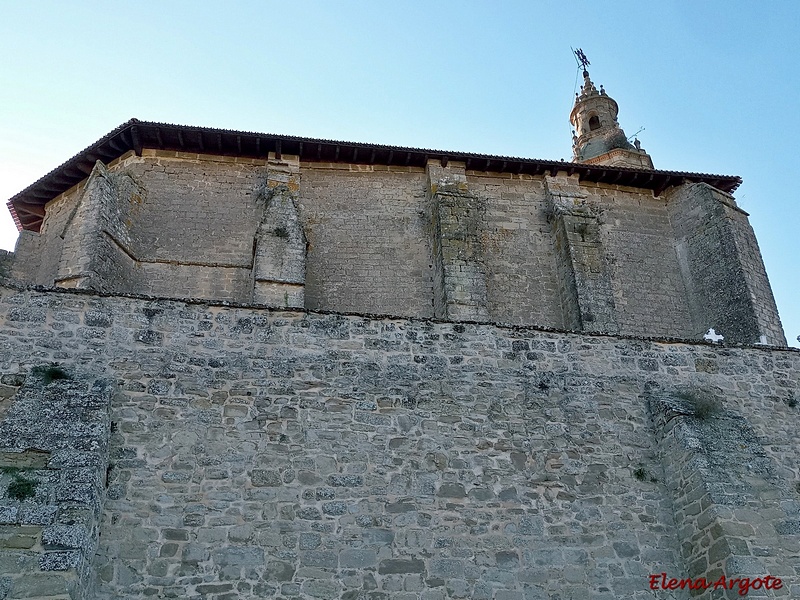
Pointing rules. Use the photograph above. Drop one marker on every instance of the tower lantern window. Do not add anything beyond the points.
(594, 122)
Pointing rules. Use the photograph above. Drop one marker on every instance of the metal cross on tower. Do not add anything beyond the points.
(584, 62)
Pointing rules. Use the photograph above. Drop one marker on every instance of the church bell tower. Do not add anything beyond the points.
(597, 137)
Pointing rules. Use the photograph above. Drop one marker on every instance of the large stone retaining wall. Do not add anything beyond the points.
(256, 453)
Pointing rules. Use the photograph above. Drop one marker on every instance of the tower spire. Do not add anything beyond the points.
(598, 138)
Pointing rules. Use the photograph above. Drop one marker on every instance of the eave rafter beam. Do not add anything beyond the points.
(115, 146)
(85, 168)
(667, 182)
(26, 208)
(51, 190)
(137, 143)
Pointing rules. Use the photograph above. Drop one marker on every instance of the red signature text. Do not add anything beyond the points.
(660, 581)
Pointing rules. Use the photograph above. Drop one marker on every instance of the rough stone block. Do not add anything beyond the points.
(268, 478)
(391, 566)
(44, 585)
(357, 558)
(345, 480)
(58, 537)
(60, 561)
(238, 556)
(319, 558)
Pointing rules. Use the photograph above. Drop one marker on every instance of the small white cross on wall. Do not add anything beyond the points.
(713, 336)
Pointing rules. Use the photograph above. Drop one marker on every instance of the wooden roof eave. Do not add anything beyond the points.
(137, 135)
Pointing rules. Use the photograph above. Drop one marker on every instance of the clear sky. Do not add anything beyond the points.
(714, 84)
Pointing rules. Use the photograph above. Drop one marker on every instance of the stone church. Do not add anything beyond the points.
(245, 365)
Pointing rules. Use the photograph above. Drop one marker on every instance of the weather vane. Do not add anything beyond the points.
(581, 57)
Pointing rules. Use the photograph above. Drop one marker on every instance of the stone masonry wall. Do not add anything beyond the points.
(457, 231)
(262, 453)
(735, 510)
(193, 229)
(582, 254)
(368, 243)
(200, 281)
(197, 209)
(522, 278)
(27, 257)
(766, 311)
(6, 263)
(649, 292)
(363, 238)
(44, 257)
(54, 434)
(96, 239)
(721, 265)
(279, 257)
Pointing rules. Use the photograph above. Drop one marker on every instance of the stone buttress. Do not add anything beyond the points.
(735, 512)
(587, 296)
(95, 237)
(279, 258)
(722, 267)
(458, 218)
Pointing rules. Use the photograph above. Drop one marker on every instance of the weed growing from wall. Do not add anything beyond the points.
(704, 405)
(21, 487)
(642, 474)
(49, 373)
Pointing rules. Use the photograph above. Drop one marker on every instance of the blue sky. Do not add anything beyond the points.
(714, 84)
